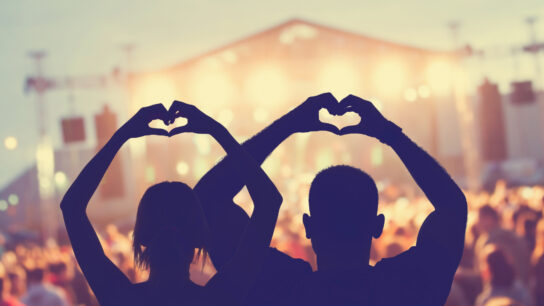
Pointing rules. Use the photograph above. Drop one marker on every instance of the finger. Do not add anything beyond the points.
(326, 96)
(329, 127)
(178, 130)
(178, 106)
(157, 111)
(350, 130)
(355, 104)
(153, 131)
(181, 109)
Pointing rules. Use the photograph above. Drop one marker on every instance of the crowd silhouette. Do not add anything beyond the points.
(176, 224)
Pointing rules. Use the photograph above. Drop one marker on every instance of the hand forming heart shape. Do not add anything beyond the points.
(318, 113)
(181, 117)
(348, 118)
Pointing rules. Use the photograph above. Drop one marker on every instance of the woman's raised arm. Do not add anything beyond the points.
(105, 279)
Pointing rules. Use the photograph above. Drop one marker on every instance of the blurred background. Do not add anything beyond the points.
(464, 79)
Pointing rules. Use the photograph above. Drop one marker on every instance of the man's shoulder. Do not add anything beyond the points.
(401, 259)
(280, 261)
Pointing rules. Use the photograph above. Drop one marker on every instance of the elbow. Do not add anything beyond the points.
(69, 208)
(277, 199)
(63, 206)
(462, 207)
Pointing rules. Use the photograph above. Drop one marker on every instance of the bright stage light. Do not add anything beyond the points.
(410, 95)
(339, 77)
(440, 76)
(390, 77)
(182, 168)
(60, 179)
(267, 86)
(424, 91)
(212, 88)
(155, 89)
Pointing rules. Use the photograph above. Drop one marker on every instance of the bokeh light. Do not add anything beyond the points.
(60, 179)
(182, 168)
(10, 143)
(410, 94)
(13, 199)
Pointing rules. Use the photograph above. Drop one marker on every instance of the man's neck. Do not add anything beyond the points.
(342, 260)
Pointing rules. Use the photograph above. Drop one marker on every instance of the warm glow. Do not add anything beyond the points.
(338, 77)
(225, 117)
(182, 168)
(155, 89)
(267, 86)
(440, 76)
(212, 87)
(424, 91)
(410, 95)
(390, 77)
(260, 115)
(60, 179)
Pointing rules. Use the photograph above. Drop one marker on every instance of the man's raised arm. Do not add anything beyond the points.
(217, 188)
(444, 229)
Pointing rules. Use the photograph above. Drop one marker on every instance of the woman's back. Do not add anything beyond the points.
(179, 294)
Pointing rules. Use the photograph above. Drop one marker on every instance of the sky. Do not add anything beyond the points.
(85, 38)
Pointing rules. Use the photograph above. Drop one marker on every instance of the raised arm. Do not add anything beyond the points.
(444, 229)
(235, 278)
(217, 188)
(105, 279)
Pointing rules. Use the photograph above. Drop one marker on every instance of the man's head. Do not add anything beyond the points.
(343, 210)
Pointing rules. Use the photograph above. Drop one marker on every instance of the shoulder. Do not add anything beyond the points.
(415, 275)
(280, 260)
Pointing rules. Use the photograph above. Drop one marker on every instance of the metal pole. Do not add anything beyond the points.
(45, 158)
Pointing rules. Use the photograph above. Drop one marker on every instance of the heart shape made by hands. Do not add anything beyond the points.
(159, 124)
(341, 120)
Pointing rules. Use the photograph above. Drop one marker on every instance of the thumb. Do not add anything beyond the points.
(354, 129)
(178, 130)
(153, 131)
(328, 127)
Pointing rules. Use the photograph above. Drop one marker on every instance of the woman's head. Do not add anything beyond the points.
(170, 225)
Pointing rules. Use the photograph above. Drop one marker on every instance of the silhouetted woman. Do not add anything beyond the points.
(170, 225)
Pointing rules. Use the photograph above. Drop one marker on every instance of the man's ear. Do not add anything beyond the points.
(378, 226)
(307, 221)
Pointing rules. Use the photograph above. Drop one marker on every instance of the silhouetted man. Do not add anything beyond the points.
(343, 220)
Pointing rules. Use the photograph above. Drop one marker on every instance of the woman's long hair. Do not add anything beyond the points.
(170, 226)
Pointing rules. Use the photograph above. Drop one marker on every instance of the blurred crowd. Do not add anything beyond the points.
(503, 261)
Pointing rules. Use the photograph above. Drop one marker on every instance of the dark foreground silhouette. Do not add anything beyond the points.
(343, 220)
(170, 224)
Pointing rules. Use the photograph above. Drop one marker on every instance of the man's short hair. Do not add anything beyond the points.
(342, 198)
